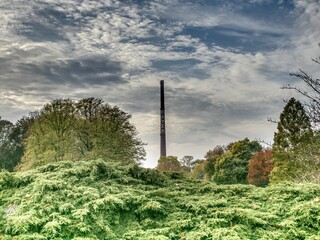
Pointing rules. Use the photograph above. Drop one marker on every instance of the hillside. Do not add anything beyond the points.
(96, 200)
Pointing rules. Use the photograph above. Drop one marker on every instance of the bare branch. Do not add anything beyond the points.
(316, 60)
(264, 142)
(272, 120)
(304, 93)
(312, 83)
(312, 93)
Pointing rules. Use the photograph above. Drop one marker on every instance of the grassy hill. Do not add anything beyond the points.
(98, 200)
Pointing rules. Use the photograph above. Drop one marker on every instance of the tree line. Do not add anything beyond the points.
(293, 156)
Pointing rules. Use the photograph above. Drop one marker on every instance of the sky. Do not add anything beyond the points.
(223, 63)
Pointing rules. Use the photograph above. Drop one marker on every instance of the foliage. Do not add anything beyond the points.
(294, 133)
(5, 144)
(212, 159)
(260, 167)
(151, 176)
(232, 166)
(198, 172)
(86, 129)
(216, 152)
(169, 164)
(308, 161)
(187, 162)
(11, 142)
(294, 127)
(104, 200)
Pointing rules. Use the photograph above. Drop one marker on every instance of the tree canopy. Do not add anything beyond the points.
(87, 129)
(232, 166)
(11, 142)
(260, 166)
(6, 144)
(169, 164)
(227, 165)
(293, 133)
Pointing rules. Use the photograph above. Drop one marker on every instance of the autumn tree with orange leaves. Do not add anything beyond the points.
(260, 167)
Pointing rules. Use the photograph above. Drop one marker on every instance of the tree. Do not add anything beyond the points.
(260, 167)
(198, 171)
(308, 160)
(212, 158)
(88, 113)
(293, 133)
(18, 135)
(312, 92)
(294, 127)
(116, 137)
(232, 166)
(187, 163)
(81, 130)
(216, 152)
(6, 145)
(51, 137)
(11, 142)
(169, 164)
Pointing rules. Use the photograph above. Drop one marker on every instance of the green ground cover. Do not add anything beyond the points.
(98, 200)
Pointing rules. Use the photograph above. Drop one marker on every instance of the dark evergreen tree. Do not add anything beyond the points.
(294, 127)
(293, 133)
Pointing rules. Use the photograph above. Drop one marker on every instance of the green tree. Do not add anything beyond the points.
(308, 160)
(232, 167)
(6, 145)
(18, 135)
(11, 142)
(293, 134)
(294, 127)
(198, 172)
(88, 113)
(117, 137)
(187, 163)
(212, 158)
(85, 129)
(169, 164)
(51, 136)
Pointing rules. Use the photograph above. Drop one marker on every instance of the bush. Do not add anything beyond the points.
(99, 200)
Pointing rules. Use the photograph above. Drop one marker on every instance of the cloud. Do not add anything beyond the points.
(78, 72)
(307, 23)
(223, 62)
(227, 15)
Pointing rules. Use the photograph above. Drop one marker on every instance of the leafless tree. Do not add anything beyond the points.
(312, 93)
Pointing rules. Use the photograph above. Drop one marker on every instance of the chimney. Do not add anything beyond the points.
(163, 151)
